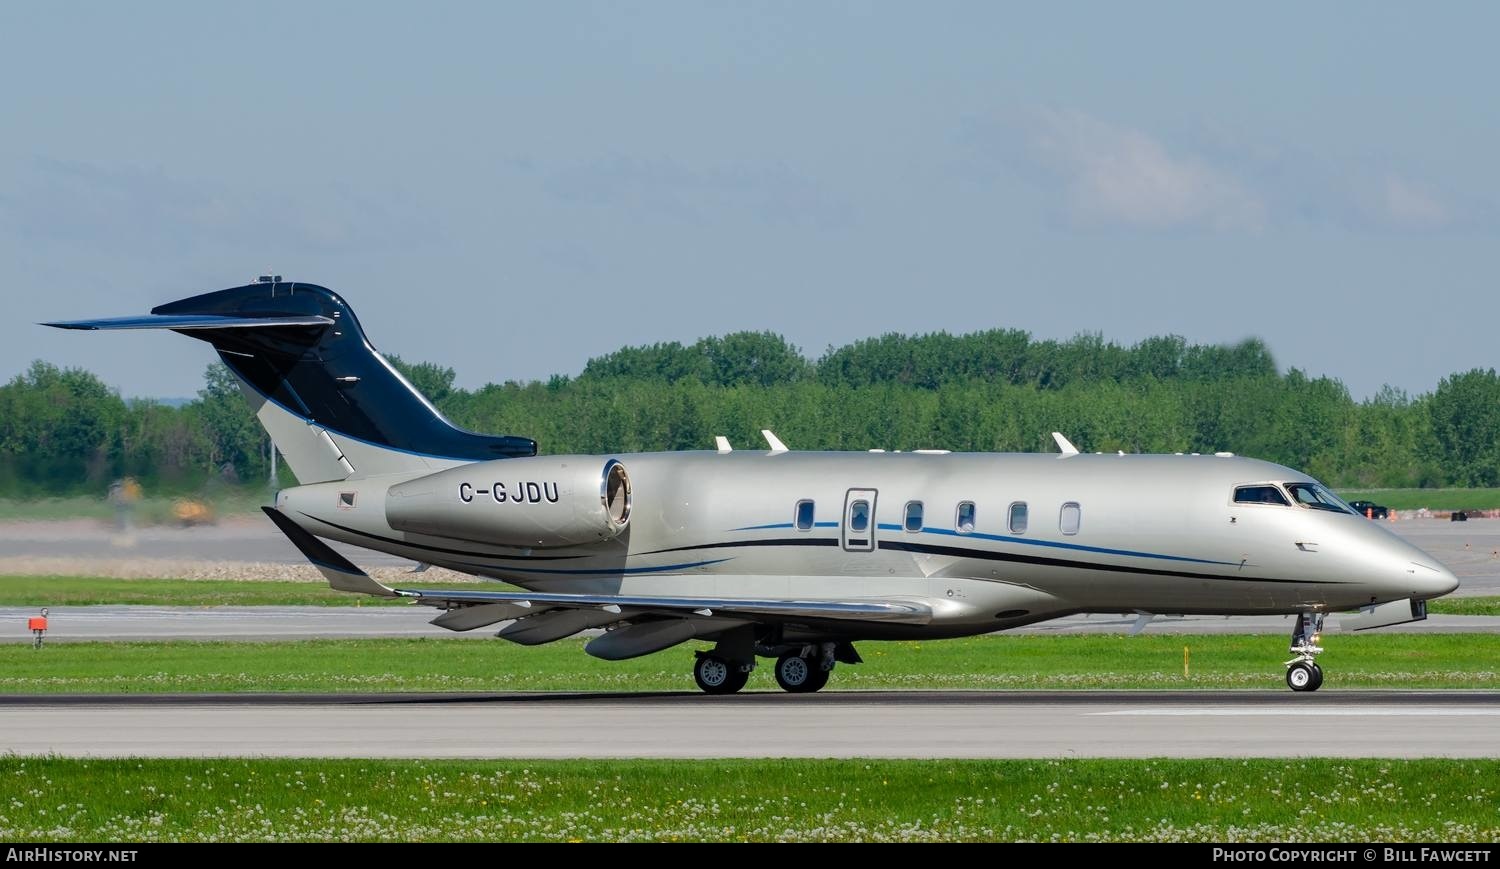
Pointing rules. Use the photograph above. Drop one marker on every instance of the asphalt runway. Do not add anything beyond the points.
(830, 724)
(69, 624)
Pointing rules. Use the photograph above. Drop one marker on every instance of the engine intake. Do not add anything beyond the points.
(538, 501)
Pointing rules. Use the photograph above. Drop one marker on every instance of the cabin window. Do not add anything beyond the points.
(1018, 517)
(859, 516)
(1259, 495)
(913, 516)
(804, 515)
(965, 520)
(1070, 518)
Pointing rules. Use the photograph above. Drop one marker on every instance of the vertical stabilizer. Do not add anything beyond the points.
(334, 406)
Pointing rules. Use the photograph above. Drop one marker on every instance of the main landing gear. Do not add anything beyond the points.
(805, 670)
(715, 675)
(1303, 672)
(800, 669)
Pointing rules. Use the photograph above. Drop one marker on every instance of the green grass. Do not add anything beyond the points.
(1435, 499)
(94, 591)
(55, 799)
(1465, 606)
(989, 662)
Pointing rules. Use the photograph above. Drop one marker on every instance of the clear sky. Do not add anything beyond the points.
(511, 189)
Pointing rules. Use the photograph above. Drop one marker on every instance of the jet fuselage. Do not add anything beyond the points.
(988, 540)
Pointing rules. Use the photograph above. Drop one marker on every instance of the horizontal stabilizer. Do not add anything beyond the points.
(341, 573)
(192, 321)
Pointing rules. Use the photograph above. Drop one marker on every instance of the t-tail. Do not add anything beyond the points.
(334, 406)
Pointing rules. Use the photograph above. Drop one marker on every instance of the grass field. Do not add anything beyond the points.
(1434, 499)
(53, 799)
(95, 591)
(1465, 606)
(989, 662)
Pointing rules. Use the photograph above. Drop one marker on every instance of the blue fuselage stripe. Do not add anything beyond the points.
(1018, 540)
(1078, 547)
(775, 525)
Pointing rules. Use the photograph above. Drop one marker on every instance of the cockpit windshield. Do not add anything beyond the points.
(1316, 497)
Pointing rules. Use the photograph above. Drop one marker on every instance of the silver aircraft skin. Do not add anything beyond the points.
(773, 552)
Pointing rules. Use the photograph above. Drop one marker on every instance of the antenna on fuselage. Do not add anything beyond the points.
(723, 444)
(776, 445)
(1064, 445)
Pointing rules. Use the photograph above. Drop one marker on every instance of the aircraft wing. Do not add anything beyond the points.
(903, 612)
(467, 610)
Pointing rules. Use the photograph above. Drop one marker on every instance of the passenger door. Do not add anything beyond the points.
(857, 532)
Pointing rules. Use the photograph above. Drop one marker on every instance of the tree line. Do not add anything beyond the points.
(64, 431)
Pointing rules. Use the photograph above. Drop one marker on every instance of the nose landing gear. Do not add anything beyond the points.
(1302, 671)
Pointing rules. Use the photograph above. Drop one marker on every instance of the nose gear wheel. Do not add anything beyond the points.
(1302, 671)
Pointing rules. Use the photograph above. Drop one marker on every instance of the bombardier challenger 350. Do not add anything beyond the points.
(781, 554)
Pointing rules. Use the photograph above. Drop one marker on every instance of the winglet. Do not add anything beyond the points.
(341, 573)
(1064, 445)
(776, 445)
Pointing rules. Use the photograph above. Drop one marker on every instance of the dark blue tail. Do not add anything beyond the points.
(299, 348)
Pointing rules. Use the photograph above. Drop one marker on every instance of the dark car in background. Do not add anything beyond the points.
(1371, 509)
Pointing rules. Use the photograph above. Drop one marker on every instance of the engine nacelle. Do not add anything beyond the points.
(536, 501)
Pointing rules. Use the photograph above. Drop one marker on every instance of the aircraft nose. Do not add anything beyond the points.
(1430, 579)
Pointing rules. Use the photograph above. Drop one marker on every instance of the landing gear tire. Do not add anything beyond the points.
(1302, 671)
(1303, 676)
(800, 675)
(715, 675)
